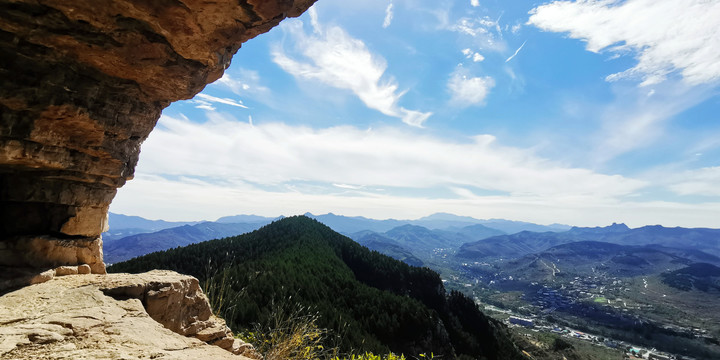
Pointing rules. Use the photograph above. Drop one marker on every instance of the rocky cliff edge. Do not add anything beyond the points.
(155, 315)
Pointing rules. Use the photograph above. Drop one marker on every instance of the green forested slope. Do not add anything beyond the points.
(378, 303)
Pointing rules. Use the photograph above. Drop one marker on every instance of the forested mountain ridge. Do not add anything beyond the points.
(381, 303)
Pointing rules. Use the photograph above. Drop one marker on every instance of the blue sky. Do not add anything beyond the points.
(578, 112)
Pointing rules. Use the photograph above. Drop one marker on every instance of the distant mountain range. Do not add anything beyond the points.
(584, 258)
(125, 225)
(524, 243)
(443, 221)
(116, 250)
(132, 236)
(413, 243)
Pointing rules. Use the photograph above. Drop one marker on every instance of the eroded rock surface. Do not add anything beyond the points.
(159, 314)
(83, 84)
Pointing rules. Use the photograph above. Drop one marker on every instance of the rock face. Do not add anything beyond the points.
(160, 314)
(83, 84)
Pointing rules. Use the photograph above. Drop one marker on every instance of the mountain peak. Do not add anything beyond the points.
(449, 217)
(614, 228)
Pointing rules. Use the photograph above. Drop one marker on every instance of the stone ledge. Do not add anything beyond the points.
(151, 315)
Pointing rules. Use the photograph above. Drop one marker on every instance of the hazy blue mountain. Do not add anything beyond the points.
(691, 254)
(235, 219)
(119, 221)
(439, 221)
(699, 276)
(444, 221)
(513, 227)
(706, 240)
(141, 244)
(600, 231)
(447, 221)
(414, 242)
(124, 225)
(477, 232)
(512, 246)
(348, 225)
(585, 258)
(386, 246)
(114, 234)
(423, 240)
(524, 243)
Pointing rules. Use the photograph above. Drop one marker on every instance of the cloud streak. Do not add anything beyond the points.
(667, 36)
(334, 58)
(516, 51)
(703, 181)
(484, 32)
(388, 16)
(225, 101)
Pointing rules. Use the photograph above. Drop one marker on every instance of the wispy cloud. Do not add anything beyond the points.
(468, 90)
(474, 56)
(635, 120)
(703, 181)
(348, 186)
(243, 82)
(484, 32)
(516, 51)
(666, 35)
(475, 3)
(333, 57)
(207, 200)
(214, 99)
(276, 153)
(224, 166)
(388, 15)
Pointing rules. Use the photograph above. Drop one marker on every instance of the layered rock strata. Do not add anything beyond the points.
(83, 84)
(160, 314)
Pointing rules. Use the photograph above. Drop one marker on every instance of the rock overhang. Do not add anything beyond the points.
(83, 84)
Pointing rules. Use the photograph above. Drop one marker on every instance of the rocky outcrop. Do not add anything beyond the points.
(160, 314)
(83, 84)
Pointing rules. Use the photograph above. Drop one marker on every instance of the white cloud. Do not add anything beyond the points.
(224, 167)
(214, 99)
(475, 3)
(186, 199)
(242, 82)
(666, 35)
(516, 51)
(388, 16)
(484, 32)
(468, 90)
(273, 154)
(476, 57)
(204, 105)
(348, 186)
(333, 57)
(317, 28)
(703, 181)
(635, 120)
